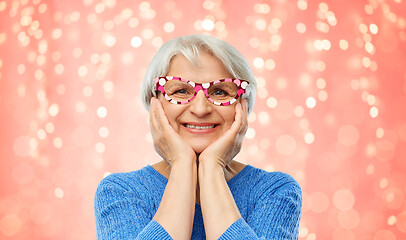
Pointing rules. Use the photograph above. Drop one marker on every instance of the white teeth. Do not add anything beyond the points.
(199, 127)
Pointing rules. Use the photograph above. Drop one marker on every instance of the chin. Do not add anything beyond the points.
(199, 145)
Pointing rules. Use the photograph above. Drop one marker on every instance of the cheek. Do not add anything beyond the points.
(172, 112)
(228, 115)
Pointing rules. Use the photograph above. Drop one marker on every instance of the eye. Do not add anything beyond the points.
(180, 91)
(219, 92)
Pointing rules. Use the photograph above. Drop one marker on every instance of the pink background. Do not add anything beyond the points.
(330, 111)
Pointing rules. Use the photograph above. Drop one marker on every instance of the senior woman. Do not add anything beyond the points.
(198, 90)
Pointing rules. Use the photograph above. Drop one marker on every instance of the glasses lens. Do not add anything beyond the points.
(179, 90)
(223, 92)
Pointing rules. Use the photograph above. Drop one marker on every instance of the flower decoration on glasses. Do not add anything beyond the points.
(221, 92)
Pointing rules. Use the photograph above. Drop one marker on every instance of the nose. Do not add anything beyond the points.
(200, 105)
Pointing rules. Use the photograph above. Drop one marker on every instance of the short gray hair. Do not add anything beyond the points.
(189, 46)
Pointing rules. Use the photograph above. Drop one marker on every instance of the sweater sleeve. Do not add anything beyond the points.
(275, 215)
(122, 213)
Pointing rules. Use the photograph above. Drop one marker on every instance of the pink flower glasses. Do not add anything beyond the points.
(221, 92)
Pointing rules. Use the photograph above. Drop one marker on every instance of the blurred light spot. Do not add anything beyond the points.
(363, 28)
(106, 174)
(309, 138)
(252, 117)
(133, 22)
(169, 27)
(101, 112)
(53, 110)
(303, 232)
(21, 90)
(323, 95)
(250, 133)
(77, 52)
(10, 225)
(370, 150)
(369, 9)
(310, 102)
(302, 4)
(311, 236)
(82, 71)
(270, 64)
(41, 134)
(59, 69)
(258, 62)
(49, 127)
(260, 24)
(157, 42)
(208, 24)
(371, 100)
(109, 40)
(136, 42)
(147, 33)
(100, 147)
(373, 112)
(58, 142)
(298, 111)
(281, 83)
(401, 222)
(263, 117)
(108, 86)
(285, 145)
(276, 23)
(59, 193)
(343, 44)
(320, 66)
(103, 132)
(321, 83)
(370, 169)
(253, 150)
(3, 5)
(380, 133)
(87, 91)
(373, 28)
(208, 5)
(393, 198)
(348, 135)
(80, 107)
(392, 220)
(348, 219)
(343, 199)
(23, 147)
(271, 102)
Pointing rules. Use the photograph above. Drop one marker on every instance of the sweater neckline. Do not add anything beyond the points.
(163, 179)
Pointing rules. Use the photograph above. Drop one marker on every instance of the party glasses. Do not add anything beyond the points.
(221, 92)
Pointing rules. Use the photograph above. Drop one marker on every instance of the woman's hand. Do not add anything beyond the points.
(167, 143)
(225, 148)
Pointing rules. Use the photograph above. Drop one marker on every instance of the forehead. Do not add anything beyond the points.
(206, 69)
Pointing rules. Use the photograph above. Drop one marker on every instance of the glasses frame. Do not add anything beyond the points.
(241, 84)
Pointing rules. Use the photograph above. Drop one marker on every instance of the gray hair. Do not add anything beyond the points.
(189, 46)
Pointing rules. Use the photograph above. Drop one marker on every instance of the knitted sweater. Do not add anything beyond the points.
(269, 202)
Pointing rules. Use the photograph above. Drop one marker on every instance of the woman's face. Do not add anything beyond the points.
(199, 112)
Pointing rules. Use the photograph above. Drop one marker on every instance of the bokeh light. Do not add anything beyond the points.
(330, 109)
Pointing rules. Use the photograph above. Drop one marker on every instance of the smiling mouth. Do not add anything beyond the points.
(200, 127)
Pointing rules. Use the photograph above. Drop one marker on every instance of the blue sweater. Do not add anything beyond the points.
(269, 202)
